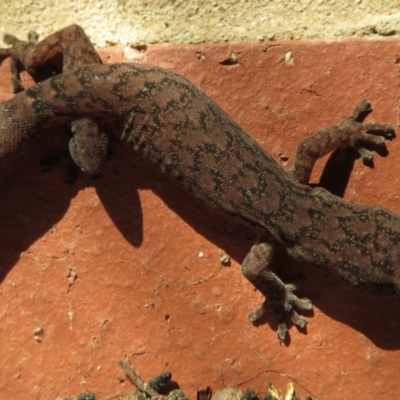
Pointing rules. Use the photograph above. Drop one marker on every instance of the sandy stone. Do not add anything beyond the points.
(133, 22)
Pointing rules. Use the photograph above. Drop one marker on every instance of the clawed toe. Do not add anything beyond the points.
(256, 314)
(281, 331)
(362, 109)
(284, 309)
(372, 134)
(303, 304)
(385, 130)
(9, 39)
(297, 320)
(366, 155)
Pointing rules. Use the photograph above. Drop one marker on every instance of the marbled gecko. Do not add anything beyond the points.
(194, 142)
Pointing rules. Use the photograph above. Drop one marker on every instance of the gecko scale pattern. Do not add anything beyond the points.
(192, 140)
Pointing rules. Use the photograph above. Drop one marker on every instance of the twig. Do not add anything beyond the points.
(137, 380)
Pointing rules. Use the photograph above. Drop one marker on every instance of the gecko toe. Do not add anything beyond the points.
(366, 155)
(303, 304)
(10, 39)
(368, 137)
(298, 320)
(362, 109)
(383, 129)
(372, 134)
(292, 300)
(282, 331)
(284, 309)
(256, 314)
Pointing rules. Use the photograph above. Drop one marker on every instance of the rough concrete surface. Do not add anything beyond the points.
(132, 22)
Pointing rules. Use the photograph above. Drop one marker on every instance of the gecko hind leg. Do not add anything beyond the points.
(20, 58)
(351, 132)
(88, 145)
(34, 55)
(278, 296)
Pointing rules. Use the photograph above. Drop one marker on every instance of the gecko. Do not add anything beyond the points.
(194, 142)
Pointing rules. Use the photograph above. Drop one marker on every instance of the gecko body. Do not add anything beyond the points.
(197, 144)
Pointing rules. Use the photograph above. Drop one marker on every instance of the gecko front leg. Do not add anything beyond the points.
(351, 132)
(278, 296)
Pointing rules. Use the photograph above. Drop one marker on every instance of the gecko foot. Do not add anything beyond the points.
(364, 134)
(23, 57)
(16, 52)
(282, 309)
(351, 133)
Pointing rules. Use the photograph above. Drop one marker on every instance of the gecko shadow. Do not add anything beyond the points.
(341, 303)
(34, 202)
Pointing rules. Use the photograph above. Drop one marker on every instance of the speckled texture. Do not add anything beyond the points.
(132, 22)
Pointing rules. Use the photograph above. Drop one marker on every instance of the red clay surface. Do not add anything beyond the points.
(149, 286)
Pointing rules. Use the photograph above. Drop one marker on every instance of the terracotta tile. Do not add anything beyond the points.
(149, 285)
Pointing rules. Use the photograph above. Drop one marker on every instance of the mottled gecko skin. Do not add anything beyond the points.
(193, 141)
